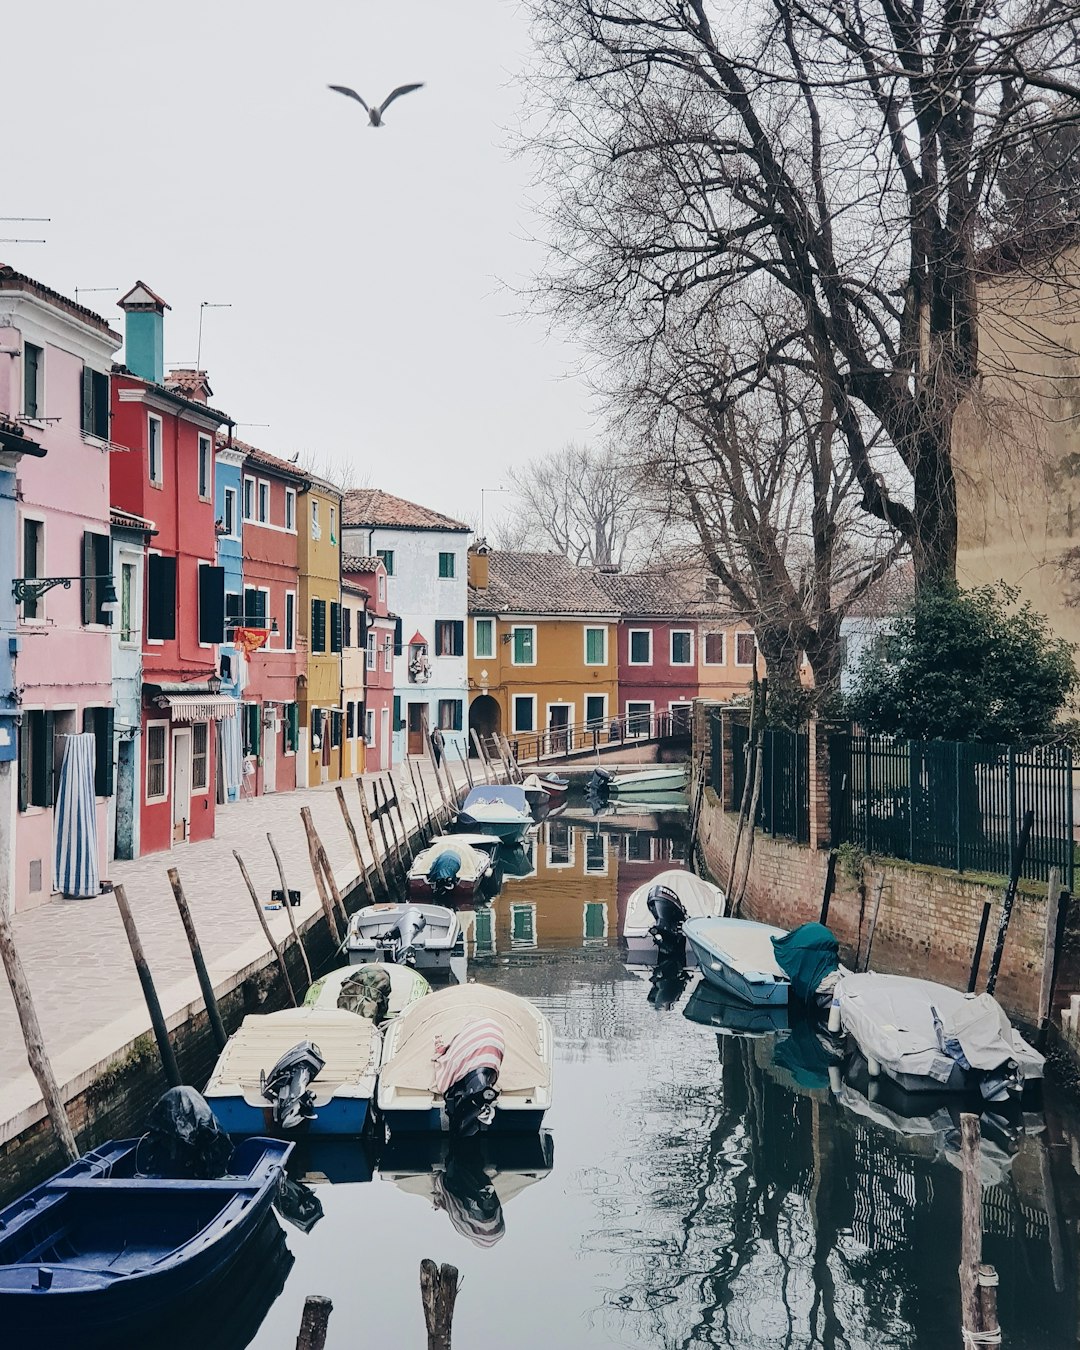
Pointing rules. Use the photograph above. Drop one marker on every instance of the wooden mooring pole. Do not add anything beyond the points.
(153, 1004)
(314, 1322)
(1010, 899)
(387, 832)
(438, 779)
(978, 1282)
(873, 922)
(1055, 896)
(217, 1027)
(370, 832)
(438, 1289)
(980, 940)
(350, 828)
(426, 834)
(395, 801)
(481, 756)
(316, 868)
(297, 939)
(266, 927)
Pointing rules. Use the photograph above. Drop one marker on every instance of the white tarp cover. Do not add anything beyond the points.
(474, 864)
(700, 899)
(890, 1018)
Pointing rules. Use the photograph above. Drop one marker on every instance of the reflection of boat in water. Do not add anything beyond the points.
(298, 1204)
(318, 1159)
(712, 1007)
(667, 981)
(517, 862)
(470, 1179)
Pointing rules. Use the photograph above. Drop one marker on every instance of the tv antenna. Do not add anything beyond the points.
(206, 304)
(25, 220)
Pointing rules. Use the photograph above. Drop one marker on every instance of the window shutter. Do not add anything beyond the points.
(43, 787)
(397, 636)
(89, 588)
(361, 627)
(459, 637)
(398, 723)
(211, 603)
(318, 625)
(335, 626)
(87, 399)
(25, 762)
(160, 596)
(100, 721)
(346, 626)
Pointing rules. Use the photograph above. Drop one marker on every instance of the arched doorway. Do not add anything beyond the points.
(485, 718)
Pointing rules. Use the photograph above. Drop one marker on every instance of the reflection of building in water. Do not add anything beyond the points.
(642, 856)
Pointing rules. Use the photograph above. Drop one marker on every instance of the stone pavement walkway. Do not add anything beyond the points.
(78, 963)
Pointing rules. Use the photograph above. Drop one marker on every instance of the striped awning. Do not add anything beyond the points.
(198, 707)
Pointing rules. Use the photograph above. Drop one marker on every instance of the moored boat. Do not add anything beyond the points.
(737, 955)
(652, 922)
(500, 809)
(413, 934)
(536, 794)
(554, 785)
(444, 871)
(339, 988)
(660, 778)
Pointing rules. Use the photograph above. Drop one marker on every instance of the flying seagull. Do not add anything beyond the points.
(375, 115)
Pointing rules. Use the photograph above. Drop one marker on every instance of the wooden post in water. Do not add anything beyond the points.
(438, 1289)
(873, 923)
(480, 755)
(370, 832)
(153, 1004)
(382, 799)
(987, 1279)
(316, 867)
(432, 824)
(463, 756)
(266, 927)
(35, 1044)
(451, 787)
(425, 835)
(209, 997)
(438, 779)
(288, 905)
(1010, 900)
(971, 1222)
(314, 1323)
(351, 829)
(976, 956)
(395, 801)
(1049, 967)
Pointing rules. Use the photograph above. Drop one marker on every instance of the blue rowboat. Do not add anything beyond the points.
(99, 1252)
(736, 955)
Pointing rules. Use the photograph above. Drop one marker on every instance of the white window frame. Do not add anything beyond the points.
(678, 632)
(290, 603)
(333, 523)
(41, 616)
(381, 580)
(290, 510)
(594, 628)
(245, 515)
(316, 528)
(522, 907)
(515, 699)
(160, 642)
(571, 859)
(477, 653)
(639, 703)
(742, 632)
(518, 628)
(265, 590)
(369, 726)
(152, 419)
(371, 654)
(603, 723)
(206, 456)
(163, 797)
(263, 483)
(602, 871)
(585, 907)
(230, 494)
(630, 647)
(200, 791)
(388, 653)
(713, 632)
(129, 559)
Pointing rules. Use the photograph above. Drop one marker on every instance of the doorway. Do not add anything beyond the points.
(558, 727)
(384, 738)
(181, 784)
(418, 725)
(269, 745)
(485, 718)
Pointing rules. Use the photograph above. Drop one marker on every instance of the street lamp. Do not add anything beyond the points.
(33, 588)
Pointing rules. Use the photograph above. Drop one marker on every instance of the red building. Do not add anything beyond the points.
(369, 573)
(167, 477)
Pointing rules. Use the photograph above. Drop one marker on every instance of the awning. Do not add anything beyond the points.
(198, 707)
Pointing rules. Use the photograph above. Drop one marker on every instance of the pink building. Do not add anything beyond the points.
(54, 379)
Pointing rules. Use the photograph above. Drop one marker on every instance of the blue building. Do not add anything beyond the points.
(229, 519)
(129, 537)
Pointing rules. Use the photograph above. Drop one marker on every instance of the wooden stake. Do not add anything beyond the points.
(1046, 982)
(438, 1289)
(35, 1044)
(288, 905)
(873, 922)
(386, 822)
(438, 780)
(153, 1004)
(1010, 899)
(351, 828)
(395, 801)
(209, 997)
(481, 756)
(465, 765)
(971, 1222)
(316, 868)
(976, 957)
(987, 1280)
(314, 1322)
(418, 802)
(369, 831)
(266, 927)
(432, 827)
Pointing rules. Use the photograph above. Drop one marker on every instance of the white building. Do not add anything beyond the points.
(425, 555)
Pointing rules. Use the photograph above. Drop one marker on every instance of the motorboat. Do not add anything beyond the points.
(470, 1180)
(927, 1037)
(412, 934)
(444, 871)
(554, 785)
(500, 809)
(304, 1068)
(657, 910)
(136, 1230)
(349, 988)
(486, 843)
(712, 1006)
(659, 778)
(466, 1059)
(737, 955)
(536, 793)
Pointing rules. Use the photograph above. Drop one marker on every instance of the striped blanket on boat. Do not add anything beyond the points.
(478, 1045)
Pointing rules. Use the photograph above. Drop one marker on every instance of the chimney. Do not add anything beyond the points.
(144, 333)
(191, 384)
(478, 565)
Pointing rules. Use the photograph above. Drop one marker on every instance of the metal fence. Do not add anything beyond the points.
(784, 806)
(953, 804)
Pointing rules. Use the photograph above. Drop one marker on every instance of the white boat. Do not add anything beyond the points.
(505, 1092)
(423, 936)
(449, 869)
(737, 956)
(406, 986)
(500, 809)
(917, 1032)
(486, 843)
(247, 1098)
(666, 778)
(536, 793)
(700, 899)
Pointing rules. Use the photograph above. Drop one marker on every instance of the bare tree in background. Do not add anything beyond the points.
(699, 157)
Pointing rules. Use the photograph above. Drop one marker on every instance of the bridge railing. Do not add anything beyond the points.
(575, 738)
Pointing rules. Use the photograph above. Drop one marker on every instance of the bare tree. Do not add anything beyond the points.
(700, 156)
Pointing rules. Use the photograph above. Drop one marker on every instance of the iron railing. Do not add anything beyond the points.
(558, 741)
(784, 804)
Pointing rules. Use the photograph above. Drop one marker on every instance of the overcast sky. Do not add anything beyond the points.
(197, 147)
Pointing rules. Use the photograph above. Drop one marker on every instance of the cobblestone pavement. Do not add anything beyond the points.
(78, 963)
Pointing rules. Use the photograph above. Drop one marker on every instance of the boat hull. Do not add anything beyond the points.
(641, 950)
(767, 993)
(424, 958)
(432, 1120)
(509, 831)
(420, 888)
(340, 1116)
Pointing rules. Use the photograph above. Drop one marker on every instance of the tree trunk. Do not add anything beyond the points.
(787, 695)
(933, 548)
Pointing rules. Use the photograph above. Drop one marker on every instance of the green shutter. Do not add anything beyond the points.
(87, 399)
(594, 646)
(484, 633)
(594, 919)
(25, 761)
(42, 771)
(335, 626)
(523, 647)
(399, 725)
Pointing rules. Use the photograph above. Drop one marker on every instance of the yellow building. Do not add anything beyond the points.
(321, 710)
(543, 655)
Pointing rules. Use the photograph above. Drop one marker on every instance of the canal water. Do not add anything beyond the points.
(694, 1186)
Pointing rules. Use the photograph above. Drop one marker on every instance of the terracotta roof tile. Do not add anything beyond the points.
(538, 583)
(353, 562)
(680, 589)
(263, 457)
(370, 507)
(11, 280)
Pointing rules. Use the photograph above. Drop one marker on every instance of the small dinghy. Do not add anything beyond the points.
(348, 988)
(465, 1059)
(411, 934)
(536, 794)
(501, 809)
(657, 911)
(554, 786)
(663, 778)
(445, 871)
(927, 1037)
(304, 1068)
(737, 955)
(109, 1249)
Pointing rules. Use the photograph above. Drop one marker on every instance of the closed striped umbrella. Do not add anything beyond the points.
(76, 820)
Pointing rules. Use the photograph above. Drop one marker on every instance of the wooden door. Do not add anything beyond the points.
(181, 784)
(418, 719)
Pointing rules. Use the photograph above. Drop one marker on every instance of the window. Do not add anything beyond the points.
(290, 621)
(335, 728)
(96, 570)
(399, 721)
(346, 626)
(560, 844)
(522, 925)
(252, 728)
(290, 510)
(291, 720)
(745, 647)
(596, 852)
(371, 651)
(641, 646)
(249, 498)
(335, 626)
(594, 923)
(200, 756)
(714, 649)
(154, 465)
(36, 759)
(33, 562)
(524, 645)
(449, 637)
(316, 528)
(638, 718)
(128, 579)
(446, 564)
(160, 597)
(484, 637)
(157, 752)
(596, 646)
(682, 647)
(484, 930)
(255, 607)
(211, 604)
(234, 613)
(318, 625)
(711, 587)
(333, 534)
(33, 373)
(369, 728)
(382, 587)
(398, 641)
(449, 714)
(204, 467)
(388, 654)
(95, 405)
(595, 710)
(228, 514)
(98, 722)
(264, 502)
(350, 720)
(524, 712)
(387, 556)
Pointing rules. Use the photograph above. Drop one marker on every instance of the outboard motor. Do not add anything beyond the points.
(443, 873)
(669, 915)
(599, 785)
(401, 939)
(286, 1085)
(467, 1075)
(184, 1140)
